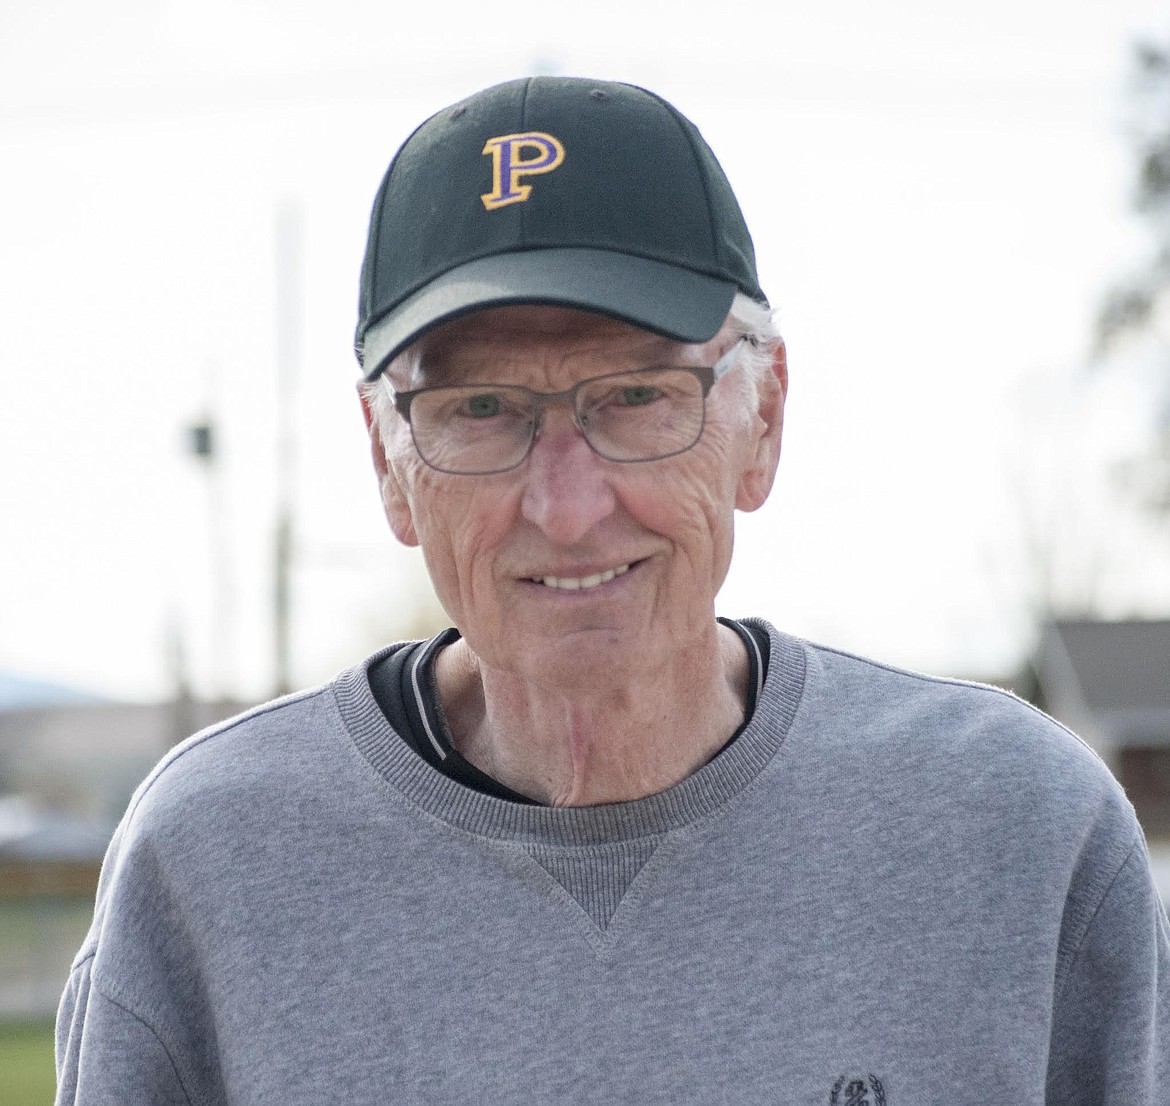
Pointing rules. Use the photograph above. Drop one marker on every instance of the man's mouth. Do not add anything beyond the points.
(580, 583)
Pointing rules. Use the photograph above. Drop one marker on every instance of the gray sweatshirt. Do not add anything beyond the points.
(890, 890)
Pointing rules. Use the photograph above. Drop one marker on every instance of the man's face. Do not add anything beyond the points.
(663, 529)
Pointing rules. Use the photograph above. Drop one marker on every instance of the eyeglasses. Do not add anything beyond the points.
(641, 415)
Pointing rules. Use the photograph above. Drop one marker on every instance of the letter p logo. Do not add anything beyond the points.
(509, 165)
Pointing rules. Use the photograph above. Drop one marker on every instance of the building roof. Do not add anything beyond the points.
(1110, 680)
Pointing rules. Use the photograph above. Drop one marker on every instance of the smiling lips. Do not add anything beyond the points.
(580, 583)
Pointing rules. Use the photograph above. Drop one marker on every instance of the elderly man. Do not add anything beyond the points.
(593, 844)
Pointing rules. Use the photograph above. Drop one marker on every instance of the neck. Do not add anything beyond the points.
(574, 747)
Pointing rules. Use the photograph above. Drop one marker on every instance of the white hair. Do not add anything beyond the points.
(376, 396)
(757, 323)
(748, 319)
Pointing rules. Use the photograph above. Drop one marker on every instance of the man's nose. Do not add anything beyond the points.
(567, 491)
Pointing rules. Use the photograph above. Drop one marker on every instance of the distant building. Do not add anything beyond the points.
(1110, 682)
(67, 771)
(85, 759)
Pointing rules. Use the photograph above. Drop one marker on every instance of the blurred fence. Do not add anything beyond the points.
(45, 911)
(66, 775)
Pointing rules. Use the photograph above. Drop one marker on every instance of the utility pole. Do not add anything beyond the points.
(288, 352)
(203, 444)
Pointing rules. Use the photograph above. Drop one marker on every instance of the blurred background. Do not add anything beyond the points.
(961, 216)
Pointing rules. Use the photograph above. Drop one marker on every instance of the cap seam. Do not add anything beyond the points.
(716, 250)
(523, 237)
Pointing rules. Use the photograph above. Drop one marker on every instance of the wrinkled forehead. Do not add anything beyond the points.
(510, 339)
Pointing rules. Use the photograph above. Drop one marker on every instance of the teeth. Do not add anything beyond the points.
(582, 583)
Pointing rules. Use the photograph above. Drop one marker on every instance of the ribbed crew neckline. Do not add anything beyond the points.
(695, 797)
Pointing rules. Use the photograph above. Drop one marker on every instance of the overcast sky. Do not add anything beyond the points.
(938, 198)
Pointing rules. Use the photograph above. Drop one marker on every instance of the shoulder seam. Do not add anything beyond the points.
(951, 681)
(104, 991)
(201, 736)
(83, 956)
(1073, 955)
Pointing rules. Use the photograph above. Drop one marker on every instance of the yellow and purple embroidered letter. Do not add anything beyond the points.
(509, 165)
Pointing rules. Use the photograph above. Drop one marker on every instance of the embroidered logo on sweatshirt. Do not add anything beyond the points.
(858, 1090)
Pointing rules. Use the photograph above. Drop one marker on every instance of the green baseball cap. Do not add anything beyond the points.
(560, 191)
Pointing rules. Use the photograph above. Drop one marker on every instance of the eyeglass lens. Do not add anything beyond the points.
(635, 416)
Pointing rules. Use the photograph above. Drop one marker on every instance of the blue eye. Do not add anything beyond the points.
(637, 395)
(483, 406)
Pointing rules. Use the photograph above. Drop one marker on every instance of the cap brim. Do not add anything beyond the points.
(677, 303)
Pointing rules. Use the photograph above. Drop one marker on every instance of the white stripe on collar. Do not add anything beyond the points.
(424, 655)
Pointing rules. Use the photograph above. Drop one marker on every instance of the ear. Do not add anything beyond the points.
(394, 501)
(756, 482)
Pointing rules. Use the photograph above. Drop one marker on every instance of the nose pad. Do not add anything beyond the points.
(559, 402)
(567, 488)
(568, 408)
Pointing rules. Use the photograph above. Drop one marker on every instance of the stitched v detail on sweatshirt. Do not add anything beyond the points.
(598, 879)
